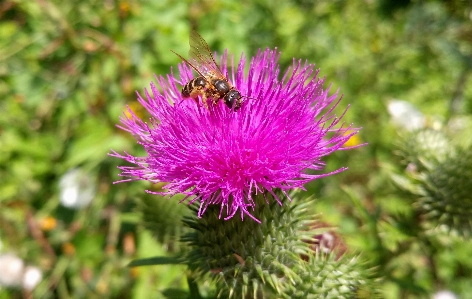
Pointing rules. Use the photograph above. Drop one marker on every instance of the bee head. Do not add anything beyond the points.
(233, 99)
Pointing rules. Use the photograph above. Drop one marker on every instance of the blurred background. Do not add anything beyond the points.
(69, 68)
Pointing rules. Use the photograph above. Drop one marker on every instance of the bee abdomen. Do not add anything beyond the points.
(197, 83)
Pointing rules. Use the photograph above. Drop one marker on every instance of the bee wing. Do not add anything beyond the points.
(200, 56)
(188, 62)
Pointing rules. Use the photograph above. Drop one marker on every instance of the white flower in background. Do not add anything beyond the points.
(405, 115)
(445, 295)
(14, 273)
(11, 270)
(76, 188)
(31, 277)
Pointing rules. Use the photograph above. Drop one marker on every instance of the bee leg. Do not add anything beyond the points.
(204, 100)
(196, 100)
(215, 96)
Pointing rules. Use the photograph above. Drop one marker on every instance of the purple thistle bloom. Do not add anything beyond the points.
(219, 156)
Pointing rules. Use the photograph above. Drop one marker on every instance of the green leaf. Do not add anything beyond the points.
(159, 260)
(172, 293)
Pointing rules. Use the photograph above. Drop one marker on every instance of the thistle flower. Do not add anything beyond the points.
(217, 156)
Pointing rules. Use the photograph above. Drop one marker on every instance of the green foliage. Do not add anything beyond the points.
(326, 277)
(249, 259)
(424, 147)
(167, 230)
(447, 198)
(268, 260)
(67, 70)
(439, 179)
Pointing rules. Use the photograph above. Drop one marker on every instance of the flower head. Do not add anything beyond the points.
(219, 156)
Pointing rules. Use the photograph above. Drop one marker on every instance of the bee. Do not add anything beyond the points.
(210, 82)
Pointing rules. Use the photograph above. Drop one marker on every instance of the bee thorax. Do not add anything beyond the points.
(221, 86)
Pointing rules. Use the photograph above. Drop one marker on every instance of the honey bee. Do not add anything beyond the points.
(210, 82)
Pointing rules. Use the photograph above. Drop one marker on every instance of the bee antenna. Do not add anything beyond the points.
(249, 97)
